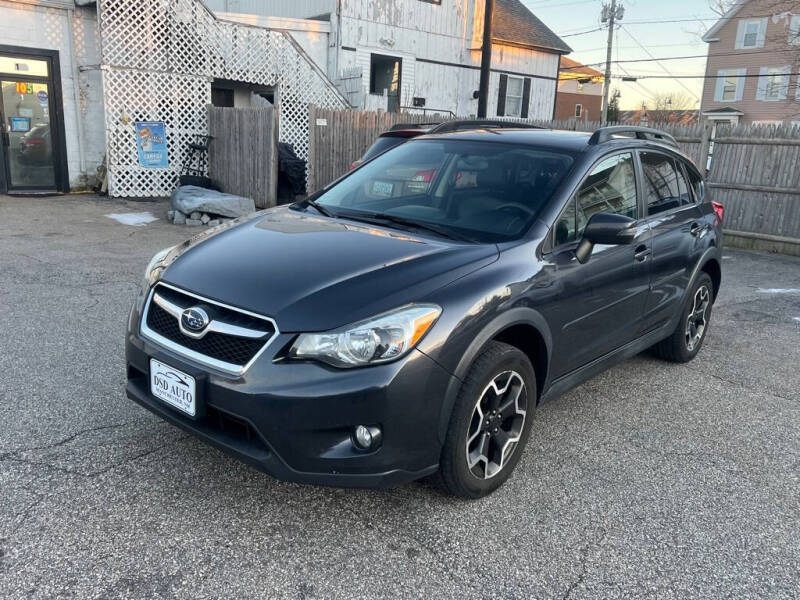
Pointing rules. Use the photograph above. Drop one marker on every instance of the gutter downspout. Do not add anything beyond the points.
(76, 93)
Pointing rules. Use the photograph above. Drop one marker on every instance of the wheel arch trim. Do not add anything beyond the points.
(516, 316)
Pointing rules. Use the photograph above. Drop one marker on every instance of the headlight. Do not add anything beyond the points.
(154, 269)
(380, 339)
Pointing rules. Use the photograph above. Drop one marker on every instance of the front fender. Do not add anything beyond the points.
(521, 315)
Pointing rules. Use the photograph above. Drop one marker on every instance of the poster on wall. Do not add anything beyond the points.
(151, 142)
(20, 124)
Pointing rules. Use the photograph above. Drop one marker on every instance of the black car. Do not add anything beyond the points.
(402, 132)
(410, 317)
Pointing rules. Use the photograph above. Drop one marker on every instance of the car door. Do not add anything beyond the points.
(599, 305)
(677, 227)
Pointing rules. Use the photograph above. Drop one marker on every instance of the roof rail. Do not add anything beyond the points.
(463, 124)
(399, 126)
(606, 134)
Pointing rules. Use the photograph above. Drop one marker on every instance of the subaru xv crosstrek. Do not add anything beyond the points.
(408, 319)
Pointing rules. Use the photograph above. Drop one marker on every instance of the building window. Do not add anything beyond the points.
(578, 111)
(730, 85)
(514, 96)
(794, 30)
(773, 84)
(385, 78)
(751, 33)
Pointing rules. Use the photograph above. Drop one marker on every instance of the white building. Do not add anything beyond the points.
(77, 74)
(391, 54)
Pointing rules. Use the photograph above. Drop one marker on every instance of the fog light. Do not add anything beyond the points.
(367, 437)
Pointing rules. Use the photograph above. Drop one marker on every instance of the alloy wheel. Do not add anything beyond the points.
(697, 320)
(497, 423)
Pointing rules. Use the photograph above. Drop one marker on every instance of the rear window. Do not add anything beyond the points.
(382, 144)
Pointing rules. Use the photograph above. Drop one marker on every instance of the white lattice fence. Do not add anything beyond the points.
(159, 59)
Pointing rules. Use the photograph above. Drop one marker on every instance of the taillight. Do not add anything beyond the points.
(355, 163)
(425, 176)
(34, 142)
(719, 209)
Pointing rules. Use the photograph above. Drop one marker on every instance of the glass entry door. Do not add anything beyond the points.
(28, 150)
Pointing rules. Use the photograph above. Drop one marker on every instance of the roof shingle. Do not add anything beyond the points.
(514, 23)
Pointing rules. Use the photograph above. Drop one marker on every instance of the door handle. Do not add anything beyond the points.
(641, 253)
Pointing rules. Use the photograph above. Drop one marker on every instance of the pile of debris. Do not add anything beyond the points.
(193, 205)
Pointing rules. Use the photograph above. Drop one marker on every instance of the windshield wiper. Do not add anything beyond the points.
(319, 208)
(378, 217)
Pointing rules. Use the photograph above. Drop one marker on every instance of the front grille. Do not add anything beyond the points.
(222, 347)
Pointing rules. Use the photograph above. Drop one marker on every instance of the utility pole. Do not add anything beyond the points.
(611, 14)
(486, 59)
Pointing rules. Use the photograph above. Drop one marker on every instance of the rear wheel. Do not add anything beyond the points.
(490, 423)
(690, 333)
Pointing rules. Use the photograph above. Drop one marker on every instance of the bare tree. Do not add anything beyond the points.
(721, 6)
(658, 109)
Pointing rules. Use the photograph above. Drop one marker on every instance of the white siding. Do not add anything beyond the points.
(48, 28)
(421, 32)
(299, 9)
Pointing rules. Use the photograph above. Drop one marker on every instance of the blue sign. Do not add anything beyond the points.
(151, 142)
(20, 124)
(42, 96)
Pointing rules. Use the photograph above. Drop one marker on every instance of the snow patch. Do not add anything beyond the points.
(779, 290)
(134, 219)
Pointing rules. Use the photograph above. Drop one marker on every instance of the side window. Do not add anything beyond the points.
(683, 187)
(661, 183)
(565, 227)
(609, 188)
(698, 186)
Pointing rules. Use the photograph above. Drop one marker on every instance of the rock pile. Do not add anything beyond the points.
(196, 206)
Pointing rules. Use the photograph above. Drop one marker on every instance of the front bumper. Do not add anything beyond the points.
(294, 420)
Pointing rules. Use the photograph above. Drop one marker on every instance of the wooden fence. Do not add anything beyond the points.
(755, 170)
(338, 137)
(243, 152)
(755, 173)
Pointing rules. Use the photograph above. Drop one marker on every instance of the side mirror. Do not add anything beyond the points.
(605, 228)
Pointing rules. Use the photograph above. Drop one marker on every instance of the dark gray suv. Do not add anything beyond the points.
(408, 319)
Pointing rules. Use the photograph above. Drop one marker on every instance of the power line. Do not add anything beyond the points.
(624, 28)
(670, 76)
(665, 58)
(564, 4)
(581, 33)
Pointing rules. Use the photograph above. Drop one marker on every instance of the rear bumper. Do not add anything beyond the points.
(294, 420)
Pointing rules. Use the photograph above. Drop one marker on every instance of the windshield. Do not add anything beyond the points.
(480, 191)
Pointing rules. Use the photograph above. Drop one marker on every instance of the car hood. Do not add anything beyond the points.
(312, 273)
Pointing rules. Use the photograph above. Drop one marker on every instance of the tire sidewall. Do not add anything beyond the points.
(511, 359)
(702, 280)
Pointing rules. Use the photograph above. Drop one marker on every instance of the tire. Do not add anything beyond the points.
(684, 343)
(499, 367)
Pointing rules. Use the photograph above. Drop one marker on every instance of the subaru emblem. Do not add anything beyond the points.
(194, 319)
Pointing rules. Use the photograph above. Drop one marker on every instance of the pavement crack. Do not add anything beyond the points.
(583, 563)
(24, 514)
(66, 440)
(92, 474)
(130, 459)
(738, 384)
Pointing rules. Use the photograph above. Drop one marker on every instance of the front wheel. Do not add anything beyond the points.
(690, 333)
(491, 422)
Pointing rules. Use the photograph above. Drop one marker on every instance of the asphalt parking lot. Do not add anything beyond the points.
(652, 480)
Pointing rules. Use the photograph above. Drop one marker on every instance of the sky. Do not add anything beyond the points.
(661, 39)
